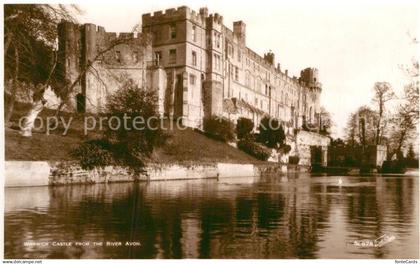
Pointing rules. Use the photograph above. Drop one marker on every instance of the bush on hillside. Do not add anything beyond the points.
(93, 154)
(244, 127)
(128, 144)
(219, 128)
(254, 149)
(271, 133)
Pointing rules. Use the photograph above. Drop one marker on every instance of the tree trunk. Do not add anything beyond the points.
(37, 104)
(11, 105)
(7, 43)
(401, 141)
(378, 127)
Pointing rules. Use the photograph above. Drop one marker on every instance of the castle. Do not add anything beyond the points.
(198, 66)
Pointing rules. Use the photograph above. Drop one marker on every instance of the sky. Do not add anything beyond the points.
(353, 45)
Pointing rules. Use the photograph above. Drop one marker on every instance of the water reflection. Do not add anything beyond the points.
(268, 217)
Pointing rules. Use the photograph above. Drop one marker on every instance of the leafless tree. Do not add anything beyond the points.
(383, 94)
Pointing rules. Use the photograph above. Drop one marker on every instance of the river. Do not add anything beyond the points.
(299, 216)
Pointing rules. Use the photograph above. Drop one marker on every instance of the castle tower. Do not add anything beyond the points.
(68, 62)
(309, 77)
(187, 44)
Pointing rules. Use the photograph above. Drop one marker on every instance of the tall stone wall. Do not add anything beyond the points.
(99, 62)
(303, 143)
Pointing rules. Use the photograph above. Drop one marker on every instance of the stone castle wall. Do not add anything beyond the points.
(109, 65)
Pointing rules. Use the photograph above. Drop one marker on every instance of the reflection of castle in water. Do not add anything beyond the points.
(304, 217)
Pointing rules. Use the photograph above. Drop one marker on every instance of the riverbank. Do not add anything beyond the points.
(45, 173)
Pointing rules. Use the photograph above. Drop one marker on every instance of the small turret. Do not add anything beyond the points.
(239, 30)
(269, 57)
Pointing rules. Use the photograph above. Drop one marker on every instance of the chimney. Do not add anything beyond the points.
(287, 71)
(239, 30)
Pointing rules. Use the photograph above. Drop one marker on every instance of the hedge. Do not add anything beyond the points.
(254, 149)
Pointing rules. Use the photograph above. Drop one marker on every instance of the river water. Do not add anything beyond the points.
(301, 216)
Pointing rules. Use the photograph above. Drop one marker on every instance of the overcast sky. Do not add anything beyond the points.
(353, 45)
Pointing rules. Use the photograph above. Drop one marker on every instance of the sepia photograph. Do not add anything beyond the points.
(210, 129)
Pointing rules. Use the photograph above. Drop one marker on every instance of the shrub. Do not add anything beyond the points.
(293, 160)
(254, 149)
(92, 154)
(125, 145)
(393, 166)
(244, 127)
(271, 133)
(219, 128)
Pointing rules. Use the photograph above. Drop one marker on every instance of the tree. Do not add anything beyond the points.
(271, 133)
(130, 143)
(383, 93)
(219, 128)
(29, 37)
(326, 122)
(361, 127)
(404, 127)
(29, 24)
(406, 119)
(244, 127)
(411, 159)
(65, 90)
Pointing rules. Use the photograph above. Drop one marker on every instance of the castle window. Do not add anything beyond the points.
(136, 56)
(236, 73)
(194, 33)
(156, 35)
(172, 56)
(247, 79)
(232, 72)
(216, 37)
(194, 58)
(158, 57)
(239, 55)
(230, 50)
(172, 31)
(192, 79)
(118, 56)
(217, 62)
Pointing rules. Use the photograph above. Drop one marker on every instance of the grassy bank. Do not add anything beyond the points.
(182, 145)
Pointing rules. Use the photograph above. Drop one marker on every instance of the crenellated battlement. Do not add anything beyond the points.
(172, 14)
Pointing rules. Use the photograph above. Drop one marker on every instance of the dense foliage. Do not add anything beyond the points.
(219, 128)
(244, 127)
(254, 149)
(271, 133)
(93, 153)
(131, 143)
